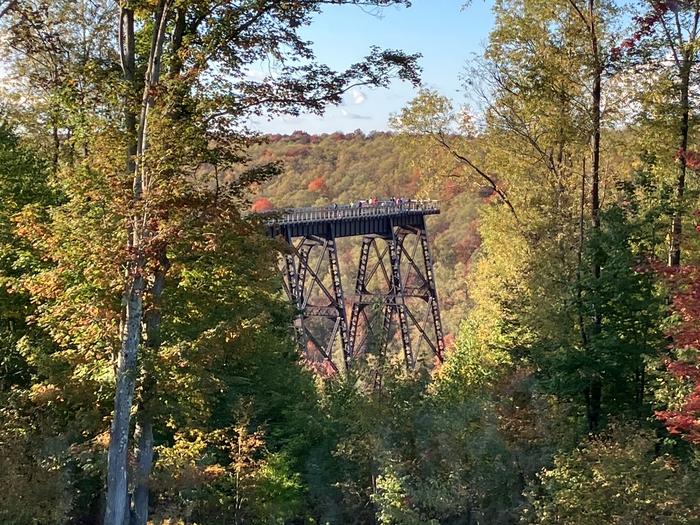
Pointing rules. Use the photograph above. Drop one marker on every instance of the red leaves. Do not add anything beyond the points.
(301, 151)
(645, 26)
(262, 204)
(685, 421)
(684, 370)
(320, 186)
(323, 369)
(317, 185)
(449, 343)
(449, 190)
(684, 283)
(691, 158)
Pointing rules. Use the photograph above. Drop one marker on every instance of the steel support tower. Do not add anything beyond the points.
(393, 302)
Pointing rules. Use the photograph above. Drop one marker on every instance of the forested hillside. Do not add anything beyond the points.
(344, 168)
(148, 373)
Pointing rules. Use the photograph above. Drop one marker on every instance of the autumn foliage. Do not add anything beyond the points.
(684, 283)
(262, 204)
(319, 185)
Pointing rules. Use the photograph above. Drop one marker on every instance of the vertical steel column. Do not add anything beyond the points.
(390, 300)
(432, 291)
(360, 289)
(341, 322)
(304, 249)
(395, 245)
(291, 275)
(298, 273)
(292, 283)
(294, 292)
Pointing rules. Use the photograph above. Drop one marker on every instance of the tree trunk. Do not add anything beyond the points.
(141, 182)
(143, 435)
(594, 400)
(143, 431)
(641, 385)
(594, 394)
(595, 147)
(116, 512)
(581, 233)
(674, 250)
(127, 48)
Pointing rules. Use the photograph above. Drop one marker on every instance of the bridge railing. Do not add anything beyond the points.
(354, 210)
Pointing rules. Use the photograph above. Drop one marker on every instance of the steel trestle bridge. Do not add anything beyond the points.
(393, 302)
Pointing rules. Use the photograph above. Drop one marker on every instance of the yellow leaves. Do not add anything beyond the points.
(45, 394)
(181, 462)
(102, 440)
(614, 479)
(214, 471)
(189, 462)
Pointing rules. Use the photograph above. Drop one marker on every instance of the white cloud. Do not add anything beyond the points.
(349, 115)
(257, 75)
(254, 74)
(358, 96)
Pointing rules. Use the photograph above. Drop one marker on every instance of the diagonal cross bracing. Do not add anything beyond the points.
(394, 304)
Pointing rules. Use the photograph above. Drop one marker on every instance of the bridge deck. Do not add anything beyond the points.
(346, 220)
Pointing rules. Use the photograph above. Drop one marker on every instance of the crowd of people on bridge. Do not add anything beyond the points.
(370, 206)
(373, 202)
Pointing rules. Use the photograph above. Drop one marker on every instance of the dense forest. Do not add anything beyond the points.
(148, 373)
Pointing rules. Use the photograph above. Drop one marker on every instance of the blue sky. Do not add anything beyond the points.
(440, 30)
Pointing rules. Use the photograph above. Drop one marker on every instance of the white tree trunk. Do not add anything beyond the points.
(117, 508)
(143, 435)
(115, 512)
